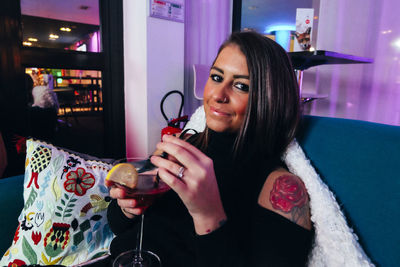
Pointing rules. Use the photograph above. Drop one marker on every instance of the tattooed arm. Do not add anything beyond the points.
(285, 194)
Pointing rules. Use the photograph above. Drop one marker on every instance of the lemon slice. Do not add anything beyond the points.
(125, 174)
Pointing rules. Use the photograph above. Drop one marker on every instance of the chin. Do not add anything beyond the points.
(217, 127)
(220, 128)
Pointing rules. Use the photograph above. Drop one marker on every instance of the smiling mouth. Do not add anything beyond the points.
(218, 112)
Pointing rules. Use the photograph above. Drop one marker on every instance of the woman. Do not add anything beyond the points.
(232, 203)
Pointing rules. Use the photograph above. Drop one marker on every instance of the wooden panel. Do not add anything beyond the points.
(13, 97)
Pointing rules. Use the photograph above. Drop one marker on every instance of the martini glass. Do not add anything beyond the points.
(148, 189)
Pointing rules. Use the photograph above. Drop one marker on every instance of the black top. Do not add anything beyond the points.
(252, 235)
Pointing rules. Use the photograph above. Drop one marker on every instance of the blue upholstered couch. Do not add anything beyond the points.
(358, 160)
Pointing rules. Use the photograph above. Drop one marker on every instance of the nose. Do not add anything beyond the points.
(221, 93)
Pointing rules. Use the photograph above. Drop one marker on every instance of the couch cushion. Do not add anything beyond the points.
(359, 161)
(63, 219)
(11, 203)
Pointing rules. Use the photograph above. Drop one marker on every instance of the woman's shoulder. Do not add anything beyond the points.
(285, 194)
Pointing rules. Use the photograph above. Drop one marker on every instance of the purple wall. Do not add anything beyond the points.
(367, 28)
(369, 92)
(207, 25)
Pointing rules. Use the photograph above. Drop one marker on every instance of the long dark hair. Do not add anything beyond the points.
(273, 109)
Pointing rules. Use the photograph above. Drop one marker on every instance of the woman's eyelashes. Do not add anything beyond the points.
(238, 85)
(216, 78)
(241, 86)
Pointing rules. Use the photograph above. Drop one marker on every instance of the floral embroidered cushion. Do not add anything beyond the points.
(65, 205)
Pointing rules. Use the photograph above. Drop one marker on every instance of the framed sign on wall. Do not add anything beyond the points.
(169, 10)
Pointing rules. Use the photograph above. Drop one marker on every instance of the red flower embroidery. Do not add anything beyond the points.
(36, 237)
(16, 235)
(16, 263)
(79, 182)
(287, 193)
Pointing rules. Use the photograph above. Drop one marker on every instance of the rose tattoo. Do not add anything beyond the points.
(288, 195)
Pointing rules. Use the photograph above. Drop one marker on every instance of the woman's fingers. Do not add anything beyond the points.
(116, 192)
(153, 172)
(132, 213)
(128, 205)
(182, 143)
(197, 185)
(195, 161)
(173, 167)
(180, 151)
(168, 171)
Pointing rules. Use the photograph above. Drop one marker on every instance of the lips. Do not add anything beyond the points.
(219, 112)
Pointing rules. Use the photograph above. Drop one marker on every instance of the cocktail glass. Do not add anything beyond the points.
(149, 188)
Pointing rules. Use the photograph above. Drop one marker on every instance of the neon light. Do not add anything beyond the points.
(95, 42)
(283, 38)
(280, 27)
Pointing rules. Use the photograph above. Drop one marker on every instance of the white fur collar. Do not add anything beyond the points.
(335, 243)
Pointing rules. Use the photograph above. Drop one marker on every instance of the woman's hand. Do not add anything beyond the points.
(197, 187)
(124, 197)
(126, 203)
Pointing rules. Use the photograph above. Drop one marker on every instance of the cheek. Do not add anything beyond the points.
(207, 92)
(241, 106)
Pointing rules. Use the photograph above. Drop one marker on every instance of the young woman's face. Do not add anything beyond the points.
(227, 90)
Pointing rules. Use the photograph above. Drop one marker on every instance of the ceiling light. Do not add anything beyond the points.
(27, 43)
(53, 36)
(31, 39)
(65, 29)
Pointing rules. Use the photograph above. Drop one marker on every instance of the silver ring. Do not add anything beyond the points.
(180, 173)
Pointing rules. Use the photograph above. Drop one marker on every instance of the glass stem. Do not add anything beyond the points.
(138, 257)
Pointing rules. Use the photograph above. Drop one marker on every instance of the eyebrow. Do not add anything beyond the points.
(234, 76)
